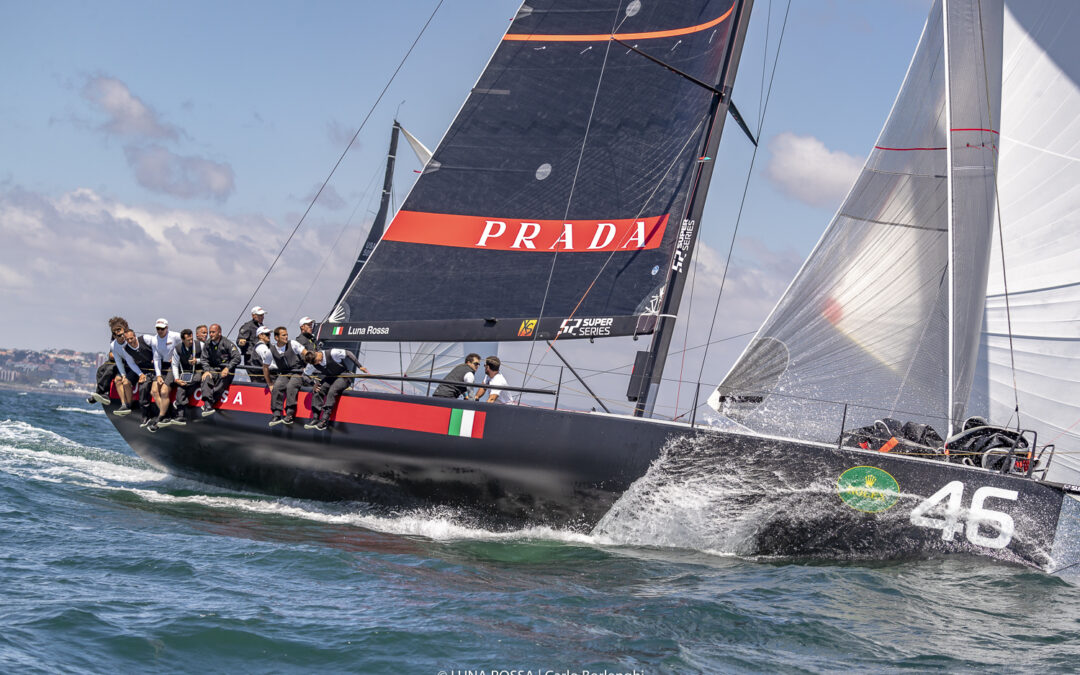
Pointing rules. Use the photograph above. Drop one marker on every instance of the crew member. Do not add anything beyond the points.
(263, 356)
(492, 380)
(288, 355)
(331, 364)
(219, 359)
(164, 345)
(139, 355)
(117, 327)
(185, 370)
(106, 373)
(307, 334)
(200, 334)
(246, 339)
(462, 372)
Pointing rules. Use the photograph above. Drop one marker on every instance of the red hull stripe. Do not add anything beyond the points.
(516, 234)
(534, 37)
(430, 419)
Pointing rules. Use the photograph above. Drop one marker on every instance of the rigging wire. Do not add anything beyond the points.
(1001, 237)
(573, 185)
(338, 163)
(364, 196)
(746, 188)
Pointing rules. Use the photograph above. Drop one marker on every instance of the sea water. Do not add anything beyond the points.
(108, 565)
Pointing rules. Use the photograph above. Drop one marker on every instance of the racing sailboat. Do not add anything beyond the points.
(565, 201)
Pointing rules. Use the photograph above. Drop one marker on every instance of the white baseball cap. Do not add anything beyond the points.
(162, 323)
(306, 319)
(263, 329)
(258, 310)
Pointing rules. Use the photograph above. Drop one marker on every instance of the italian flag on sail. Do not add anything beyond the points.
(336, 331)
(468, 423)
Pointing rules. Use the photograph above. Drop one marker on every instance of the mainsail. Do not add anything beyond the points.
(1039, 187)
(554, 205)
(884, 315)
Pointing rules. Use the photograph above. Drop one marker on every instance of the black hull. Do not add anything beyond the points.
(566, 469)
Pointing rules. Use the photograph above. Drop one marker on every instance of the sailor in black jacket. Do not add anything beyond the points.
(307, 334)
(246, 339)
(219, 358)
(331, 364)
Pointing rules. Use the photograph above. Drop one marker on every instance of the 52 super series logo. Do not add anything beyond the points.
(597, 327)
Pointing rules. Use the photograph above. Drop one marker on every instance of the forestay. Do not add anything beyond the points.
(555, 202)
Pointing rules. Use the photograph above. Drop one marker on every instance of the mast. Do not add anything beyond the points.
(950, 407)
(379, 224)
(661, 340)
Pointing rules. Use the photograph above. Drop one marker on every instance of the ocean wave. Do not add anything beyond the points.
(40, 454)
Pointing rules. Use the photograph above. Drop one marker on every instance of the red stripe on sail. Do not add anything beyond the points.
(881, 147)
(536, 37)
(523, 234)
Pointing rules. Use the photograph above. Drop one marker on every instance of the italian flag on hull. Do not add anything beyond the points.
(468, 423)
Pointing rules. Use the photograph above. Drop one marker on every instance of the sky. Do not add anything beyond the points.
(154, 157)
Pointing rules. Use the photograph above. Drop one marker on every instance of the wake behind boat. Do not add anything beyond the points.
(580, 221)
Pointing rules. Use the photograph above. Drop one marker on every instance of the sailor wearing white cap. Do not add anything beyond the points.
(246, 338)
(263, 355)
(164, 346)
(307, 334)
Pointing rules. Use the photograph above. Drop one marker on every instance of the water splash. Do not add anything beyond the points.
(86, 411)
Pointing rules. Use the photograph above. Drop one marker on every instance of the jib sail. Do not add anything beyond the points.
(555, 202)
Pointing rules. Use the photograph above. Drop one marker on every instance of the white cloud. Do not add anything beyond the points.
(161, 170)
(70, 262)
(127, 114)
(803, 168)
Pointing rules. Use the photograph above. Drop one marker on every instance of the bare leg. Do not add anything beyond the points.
(123, 388)
(161, 395)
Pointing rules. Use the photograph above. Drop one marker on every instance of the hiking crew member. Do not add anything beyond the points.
(331, 364)
(106, 373)
(494, 379)
(185, 366)
(263, 357)
(139, 356)
(117, 327)
(164, 346)
(306, 338)
(462, 372)
(219, 358)
(247, 338)
(288, 355)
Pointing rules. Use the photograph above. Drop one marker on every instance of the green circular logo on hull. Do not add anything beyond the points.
(868, 488)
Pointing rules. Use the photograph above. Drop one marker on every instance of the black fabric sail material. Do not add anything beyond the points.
(571, 161)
